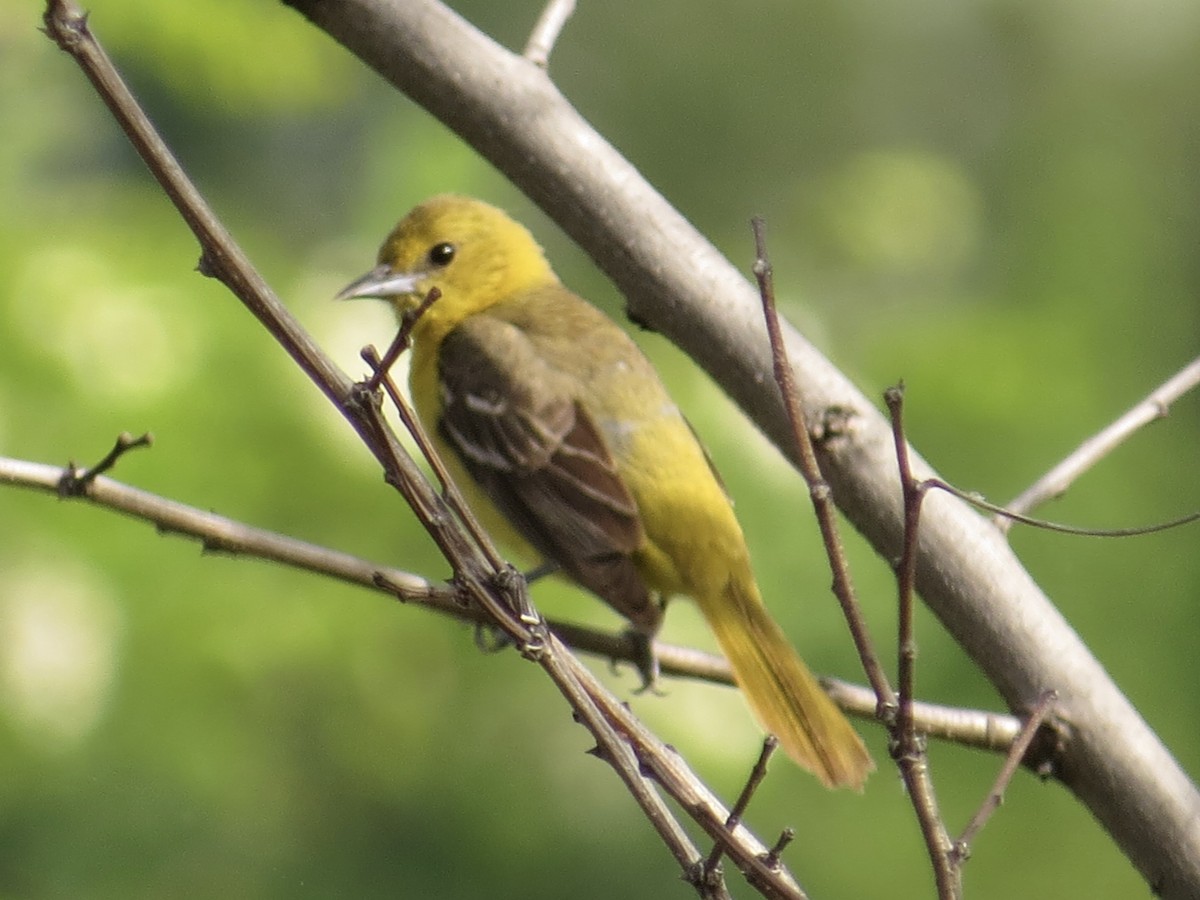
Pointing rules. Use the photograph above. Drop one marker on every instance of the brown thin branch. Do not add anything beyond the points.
(1041, 710)
(450, 493)
(1001, 512)
(581, 691)
(1055, 483)
(218, 534)
(818, 488)
(757, 774)
(401, 342)
(914, 494)
(666, 767)
(909, 746)
(221, 257)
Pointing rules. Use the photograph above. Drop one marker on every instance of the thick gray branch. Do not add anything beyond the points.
(677, 283)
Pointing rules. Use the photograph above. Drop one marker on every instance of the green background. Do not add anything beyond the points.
(998, 202)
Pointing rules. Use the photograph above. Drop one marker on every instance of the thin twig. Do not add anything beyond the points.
(450, 492)
(757, 774)
(909, 746)
(914, 494)
(1002, 512)
(670, 771)
(818, 488)
(482, 579)
(611, 746)
(504, 577)
(546, 31)
(1055, 482)
(962, 847)
(402, 341)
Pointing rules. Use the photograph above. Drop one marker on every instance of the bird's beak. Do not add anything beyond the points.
(381, 281)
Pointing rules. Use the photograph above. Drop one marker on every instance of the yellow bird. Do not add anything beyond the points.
(565, 441)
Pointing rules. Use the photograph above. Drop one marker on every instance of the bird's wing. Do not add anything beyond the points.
(520, 431)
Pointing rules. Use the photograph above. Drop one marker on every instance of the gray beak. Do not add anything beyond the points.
(381, 281)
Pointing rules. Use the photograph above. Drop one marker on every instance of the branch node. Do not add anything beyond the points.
(207, 264)
(960, 852)
(886, 711)
(546, 31)
(834, 422)
(75, 483)
(381, 581)
(772, 859)
(66, 24)
(362, 396)
(708, 880)
(536, 646)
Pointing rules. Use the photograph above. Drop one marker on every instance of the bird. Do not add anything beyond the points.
(568, 447)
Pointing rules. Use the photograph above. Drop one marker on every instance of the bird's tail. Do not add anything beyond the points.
(783, 694)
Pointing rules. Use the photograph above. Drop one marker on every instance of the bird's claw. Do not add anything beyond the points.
(644, 659)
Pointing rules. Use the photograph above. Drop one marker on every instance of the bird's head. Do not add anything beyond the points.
(473, 253)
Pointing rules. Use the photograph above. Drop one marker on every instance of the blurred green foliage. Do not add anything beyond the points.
(997, 202)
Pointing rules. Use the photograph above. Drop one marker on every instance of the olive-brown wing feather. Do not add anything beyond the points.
(520, 431)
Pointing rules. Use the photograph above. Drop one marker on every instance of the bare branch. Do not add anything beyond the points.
(908, 744)
(1056, 482)
(996, 796)
(450, 492)
(582, 692)
(818, 488)
(219, 534)
(757, 774)
(400, 343)
(221, 256)
(669, 770)
(971, 728)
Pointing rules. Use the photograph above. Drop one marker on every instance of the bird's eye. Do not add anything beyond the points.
(441, 254)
